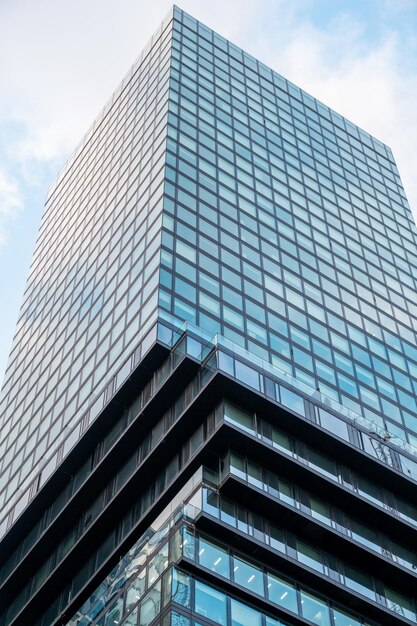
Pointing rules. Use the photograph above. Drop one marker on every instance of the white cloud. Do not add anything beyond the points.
(10, 199)
(64, 59)
(61, 60)
(372, 83)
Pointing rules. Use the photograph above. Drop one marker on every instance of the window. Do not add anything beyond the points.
(282, 593)
(210, 603)
(180, 588)
(213, 558)
(151, 605)
(136, 590)
(360, 582)
(244, 420)
(344, 619)
(400, 604)
(243, 615)
(248, 576)
(314, 610)
(292, 401)
(310, 556)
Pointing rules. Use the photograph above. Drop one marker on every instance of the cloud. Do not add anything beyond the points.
(61, 61)
(368, 79)
(65, 59)
(11, 200)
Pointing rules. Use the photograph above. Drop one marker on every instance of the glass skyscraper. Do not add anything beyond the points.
(209, 413)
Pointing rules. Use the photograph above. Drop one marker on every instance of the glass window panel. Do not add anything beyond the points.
(185, 290)
(176, 546)
(250, 577)
(368, 489)
(136, 590)
(292, 400)
(360, 582)
(210, 304)
(237, 466)
(323, 351)
(269, 621)
(226, 363)
(211, 502)
(186, 251)
(227, 513)
(324, 464)
(279, 345)
(334, 424)
(365, 535)
(277, 539)
(282, 593)
(242, 519)
(214, 558)
(303, 359)
(184, 311)
(114, 615)
(325, 372)
(400, 604)
(407, 509)
(131, 619)
(286, 492)
(281, 441)
(320, 510)
(347, 385)
(255, 331)
(314, 609)
(344, 619)
(181, 588)
(310, 556)
(210, 603)
(188, 543)
(179, 620)
(255, 475)
(247, 375)
(158, 564)
(243, 615)
(151, 605)
(404, 556)
(244, 420)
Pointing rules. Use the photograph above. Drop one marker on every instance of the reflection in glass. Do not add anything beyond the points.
(214, 558)
(151, 605)
(136, 590)
(179, 620)
(282, 593)
(248, 576)
(180, 588)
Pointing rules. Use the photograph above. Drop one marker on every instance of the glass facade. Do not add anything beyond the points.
(92, 287)
(209, 414)
(286, 229)
(148, 581)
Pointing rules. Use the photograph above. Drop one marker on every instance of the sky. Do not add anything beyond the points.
(60, 61)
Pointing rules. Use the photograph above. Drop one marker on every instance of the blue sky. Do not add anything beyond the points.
(60, 61)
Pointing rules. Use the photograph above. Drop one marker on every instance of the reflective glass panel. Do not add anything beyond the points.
(248, 576)
(210, 603)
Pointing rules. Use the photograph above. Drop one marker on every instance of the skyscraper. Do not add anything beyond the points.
(209, 411)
